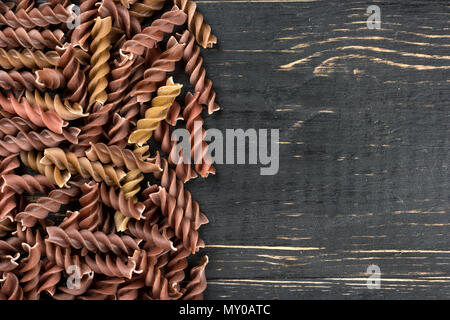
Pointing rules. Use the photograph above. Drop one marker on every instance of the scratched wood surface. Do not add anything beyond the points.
(364, 144)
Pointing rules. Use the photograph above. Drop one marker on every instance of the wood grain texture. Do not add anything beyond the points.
(364, 139)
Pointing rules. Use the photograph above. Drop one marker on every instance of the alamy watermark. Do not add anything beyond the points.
(374, 280)
(374, 20)
(236, 146)
(74, 20)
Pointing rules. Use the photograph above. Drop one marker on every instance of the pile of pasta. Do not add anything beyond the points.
(88, 103)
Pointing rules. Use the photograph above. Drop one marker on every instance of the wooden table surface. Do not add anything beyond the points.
(364, 150)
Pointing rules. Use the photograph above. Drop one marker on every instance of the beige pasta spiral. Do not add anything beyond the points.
(53, 174)
(166, 95)
(130, 187)
(100, 47)
(10, 59)
(66, 110)
(82, 166)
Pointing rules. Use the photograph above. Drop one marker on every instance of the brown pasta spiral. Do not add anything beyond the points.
(43, 16)
(31, 39)
(79, 35)
(112, 266)
(17, 81)
(91, 207)
(92, 241)
(48, 119)
(195, 288)
(184, 228)
(122, 18)
(199, 147)
(11, 126)
(146, 8)
(196, 72)
(117, 201)
(153, 34)
(183, 170)
(74, 75)
(44, 205)
(10, 288)
(25, 183)
(31, 271)
(65, 110)
(176, 189)
(50, 78)
(35, 141)
(158, 70)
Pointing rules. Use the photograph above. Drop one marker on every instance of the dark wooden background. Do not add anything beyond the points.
(364, 144)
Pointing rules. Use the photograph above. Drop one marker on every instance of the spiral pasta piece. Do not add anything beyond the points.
(183, 227)
(158, 70)
(146, 8)
(43, 16)
(175, 188)
(103, 289)
(92, 241)
(8, 202)
(195, 287)
(25, 183)
(51, 172)
(119, 131)
(100, 47)
(10, 288)
(93, 129)
(50, 78)
(112, 267)
(176, 266)
(153, 34)
(62, 258)
(151, 234)
(51, 275)
(13, 59)
(65, 110)
(118, 202)
(48, 119)
(197, 73)
(31, 39)
(80, 34)
(91, 208)
(11, 126)
(76, 91)
(44, 205)
(165, 97)
(199, 147)
(15, 80)
(121, 72)
(183, 170)
(196, 23)
(120, 157)
(31, 271)
(122, 18)
(82, 166)
(35, 141)
(130, 187)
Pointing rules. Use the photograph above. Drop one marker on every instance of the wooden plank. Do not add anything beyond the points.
(363, 118)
